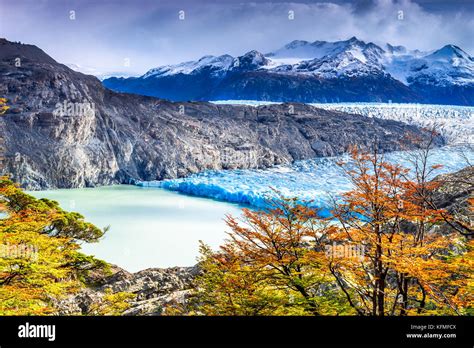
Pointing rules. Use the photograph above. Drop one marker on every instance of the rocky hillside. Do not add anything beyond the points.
(64, 129)
(453, 194)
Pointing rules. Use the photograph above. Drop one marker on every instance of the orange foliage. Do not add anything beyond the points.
(382, 248)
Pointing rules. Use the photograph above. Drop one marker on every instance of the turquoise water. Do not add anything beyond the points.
(149, 227)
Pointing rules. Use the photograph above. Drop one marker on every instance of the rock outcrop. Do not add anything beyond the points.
(64, 129)
(152, 290)
(454, 194)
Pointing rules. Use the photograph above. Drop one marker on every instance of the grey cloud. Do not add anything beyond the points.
(149, 33)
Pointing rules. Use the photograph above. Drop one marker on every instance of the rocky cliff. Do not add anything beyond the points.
(152, 290)
(456, 195)
(64, 129)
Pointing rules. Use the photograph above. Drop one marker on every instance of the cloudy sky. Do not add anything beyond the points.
(107, 34)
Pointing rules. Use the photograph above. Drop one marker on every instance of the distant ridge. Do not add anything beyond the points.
(320, 71)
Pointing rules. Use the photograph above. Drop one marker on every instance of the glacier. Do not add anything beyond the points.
(317, 181)
(454, 123)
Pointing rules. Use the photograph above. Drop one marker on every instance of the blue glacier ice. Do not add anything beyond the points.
(318, 180)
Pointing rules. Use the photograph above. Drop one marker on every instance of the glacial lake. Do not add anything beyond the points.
(149, 227)
(160, 225)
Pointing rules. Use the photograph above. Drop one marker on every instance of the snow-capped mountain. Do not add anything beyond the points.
(215, 65)
(349, 58)
(320, 71)
(353, 50)
(447, 66)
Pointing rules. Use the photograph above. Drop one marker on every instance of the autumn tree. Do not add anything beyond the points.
(426, 188)
(408, 267)
(40, 261)
(229, 287)
(270, 266)
(380, 253)
(111, 303)
(3, 106)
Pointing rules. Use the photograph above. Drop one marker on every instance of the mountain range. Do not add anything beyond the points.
(120, 137)
(301, 71)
